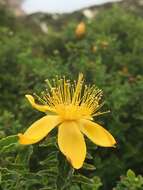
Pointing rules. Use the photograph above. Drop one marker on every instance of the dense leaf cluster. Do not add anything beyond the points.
(110, 56)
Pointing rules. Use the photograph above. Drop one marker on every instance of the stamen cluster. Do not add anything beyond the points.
(72, 101)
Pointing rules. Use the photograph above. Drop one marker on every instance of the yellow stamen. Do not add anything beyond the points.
(73, 101)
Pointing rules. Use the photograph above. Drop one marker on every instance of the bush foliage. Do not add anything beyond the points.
(110, 56)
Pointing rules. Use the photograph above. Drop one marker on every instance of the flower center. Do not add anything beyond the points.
(72, 112)
(73, 101)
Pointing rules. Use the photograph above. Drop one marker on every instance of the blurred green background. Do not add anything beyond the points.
(110, 54)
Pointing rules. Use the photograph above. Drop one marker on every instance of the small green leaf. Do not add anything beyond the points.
(8, 142)
(131, 174)
(88, 156)
(49, 141)
(82, 179)
(88, 166)
(24, 156)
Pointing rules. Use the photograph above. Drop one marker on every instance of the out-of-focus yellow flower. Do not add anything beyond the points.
(104, 44)
(94, 49)
(80, 30)
(72, 107)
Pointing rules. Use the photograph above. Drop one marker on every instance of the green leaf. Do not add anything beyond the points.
(89, 166)
(88, 156)
(131, 174)
(49, 141)
(82, 180)
(8, 142)
(24, 156)
(51, 159)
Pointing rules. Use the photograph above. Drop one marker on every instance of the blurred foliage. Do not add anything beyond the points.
(131, 181)
(110, 56)
(39, 167)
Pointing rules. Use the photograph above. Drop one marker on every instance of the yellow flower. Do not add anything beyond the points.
(80, 30)
(72, 107)
(104, 44)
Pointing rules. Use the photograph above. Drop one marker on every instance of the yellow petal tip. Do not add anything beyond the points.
(39, 107)
(114, 145)
(77, 167)
(29, 97)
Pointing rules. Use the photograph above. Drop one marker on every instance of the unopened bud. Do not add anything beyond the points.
(80, 30)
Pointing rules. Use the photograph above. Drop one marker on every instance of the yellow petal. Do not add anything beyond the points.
(42, 108)
(38, 130)
(97, 134)
(71, 143)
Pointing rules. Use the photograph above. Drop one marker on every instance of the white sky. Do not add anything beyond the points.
(59, 6)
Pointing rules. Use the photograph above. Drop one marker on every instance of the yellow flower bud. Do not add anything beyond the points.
(94, 49)
(104, 44)
(80, 30)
